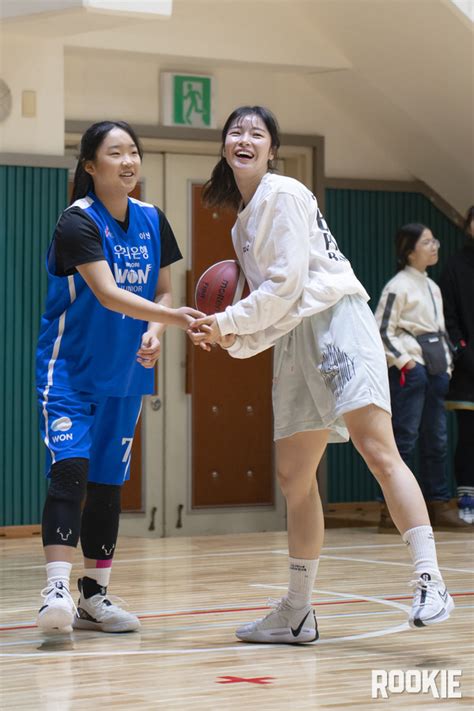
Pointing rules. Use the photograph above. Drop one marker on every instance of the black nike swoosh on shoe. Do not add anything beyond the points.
(296, 632)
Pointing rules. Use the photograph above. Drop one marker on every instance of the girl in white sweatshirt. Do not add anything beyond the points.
(330, 375)
(410, 308)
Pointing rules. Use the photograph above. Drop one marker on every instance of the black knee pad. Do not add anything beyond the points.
(103, 496)
(100, 521)
(69, 479)
(62, 509)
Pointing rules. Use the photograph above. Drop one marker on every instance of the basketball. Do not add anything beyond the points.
(221, 285)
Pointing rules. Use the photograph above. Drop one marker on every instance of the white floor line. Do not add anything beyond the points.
(242, 647)
(244, 552)
(213, 650)
(390, 562)
(347, 596)
(144, 632)
(367, 598)
(184, 556)
(396, 545)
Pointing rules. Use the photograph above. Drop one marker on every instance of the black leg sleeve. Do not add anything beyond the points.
(62, 509)
(100, 521)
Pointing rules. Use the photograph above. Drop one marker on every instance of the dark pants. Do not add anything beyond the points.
(418, 415)
(464, 457)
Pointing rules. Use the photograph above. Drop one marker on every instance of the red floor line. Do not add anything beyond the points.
(187, 613)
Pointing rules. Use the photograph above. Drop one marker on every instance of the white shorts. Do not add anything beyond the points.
(332, 363)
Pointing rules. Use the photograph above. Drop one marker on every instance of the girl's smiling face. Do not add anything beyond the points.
(116, 166)
(248, 147)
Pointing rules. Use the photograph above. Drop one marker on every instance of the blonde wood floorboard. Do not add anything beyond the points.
(192, 593)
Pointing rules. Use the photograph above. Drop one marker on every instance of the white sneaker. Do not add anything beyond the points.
(431, 602)
(100, 614)
(57, 612)
(284, 625)
(466, 508)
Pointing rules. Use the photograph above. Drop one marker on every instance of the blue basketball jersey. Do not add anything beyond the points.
(83, 345)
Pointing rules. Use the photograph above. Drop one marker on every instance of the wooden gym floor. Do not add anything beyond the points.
(191, 593)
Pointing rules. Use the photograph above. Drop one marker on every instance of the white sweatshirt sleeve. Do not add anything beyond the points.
(387, 315)
(251, 344)
(281, 251)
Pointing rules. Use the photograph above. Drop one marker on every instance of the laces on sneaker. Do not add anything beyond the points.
(63, 590)
(276, 603)
(107, 600)
(114, 599)
(427, 586)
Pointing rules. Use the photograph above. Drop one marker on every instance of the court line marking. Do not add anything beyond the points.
(390, 562)
(331, 640)
(241, 647)
(395, 545)
(216, 626)
(219, 650)
(352, 599)
(228, 554)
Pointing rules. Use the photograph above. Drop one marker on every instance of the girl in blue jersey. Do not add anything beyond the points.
(330, 376)
(108, 302)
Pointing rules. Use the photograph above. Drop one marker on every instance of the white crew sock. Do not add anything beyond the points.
(302, 577)
(100, 575)
(59, 571)
(421, 544)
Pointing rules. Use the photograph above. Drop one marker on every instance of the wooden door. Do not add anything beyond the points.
(232, 442)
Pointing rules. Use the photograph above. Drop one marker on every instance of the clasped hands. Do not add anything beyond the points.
(204, 332)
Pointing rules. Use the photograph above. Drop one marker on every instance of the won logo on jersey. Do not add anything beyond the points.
(132, 279)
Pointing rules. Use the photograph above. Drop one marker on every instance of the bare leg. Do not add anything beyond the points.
(59, 553)
(297, 458)
(371, 433)
(293, 620)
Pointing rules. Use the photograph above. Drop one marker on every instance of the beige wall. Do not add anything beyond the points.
(32, 64)
(105, 84)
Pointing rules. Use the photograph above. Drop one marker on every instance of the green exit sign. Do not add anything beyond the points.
(187, 100)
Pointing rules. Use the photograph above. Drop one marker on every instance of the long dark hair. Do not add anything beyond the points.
(405, 241)
(90, 143)
(221, 189)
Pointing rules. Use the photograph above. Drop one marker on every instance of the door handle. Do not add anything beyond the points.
(155, 404)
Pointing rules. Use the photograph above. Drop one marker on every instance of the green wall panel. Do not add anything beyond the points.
(364, 223)
(30, 202)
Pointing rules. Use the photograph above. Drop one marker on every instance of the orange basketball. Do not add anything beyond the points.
(220, 286)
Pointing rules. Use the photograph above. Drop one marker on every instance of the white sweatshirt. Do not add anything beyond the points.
(412, 302)
(292, 264)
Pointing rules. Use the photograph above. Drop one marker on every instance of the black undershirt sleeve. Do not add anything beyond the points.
(170, 251)
(76, 241)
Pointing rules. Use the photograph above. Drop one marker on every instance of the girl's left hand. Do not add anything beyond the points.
(204, 331)
(149, 350)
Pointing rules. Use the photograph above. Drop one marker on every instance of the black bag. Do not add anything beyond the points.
(434, 353)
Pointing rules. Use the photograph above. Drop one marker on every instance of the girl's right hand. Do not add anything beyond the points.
(410, 365)
(186, 315)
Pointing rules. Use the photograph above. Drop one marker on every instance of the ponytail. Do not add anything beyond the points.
(221, 189)
(82, 184)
